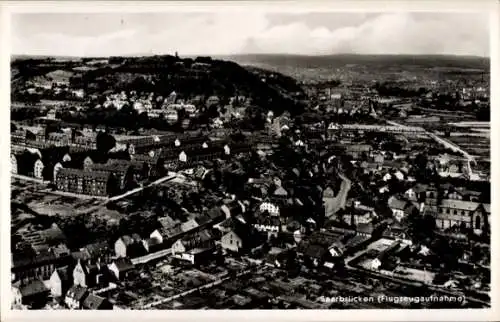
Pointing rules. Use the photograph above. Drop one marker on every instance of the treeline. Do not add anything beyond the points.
(385, 89)
(25, 113)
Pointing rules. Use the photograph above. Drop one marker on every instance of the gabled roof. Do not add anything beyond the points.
(323, 238)
(96, 249)
(171, 232)
(18, 262)
(139, 158)
(64, 274)
(215, 212)
(280, 192)
(460, 204)
(115, 167)
(93, 302)
(127, 240)
(228, 223)
(76, 292)
(135, 164)
(167, 222)
(33, 288)
(123, 264)
(99, 175)
(366, 228)
(203, 219)
(197, 239)
(189, 225)
(359, 148)
(395, 203)
(202, 236)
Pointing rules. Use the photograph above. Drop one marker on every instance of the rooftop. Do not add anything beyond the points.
(463, 205)
(99, 175)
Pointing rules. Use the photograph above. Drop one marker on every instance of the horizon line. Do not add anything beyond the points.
(138, 55)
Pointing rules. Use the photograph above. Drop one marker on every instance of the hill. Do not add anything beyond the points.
(163, 74)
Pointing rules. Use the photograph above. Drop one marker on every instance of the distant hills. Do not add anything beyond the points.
(340, 60)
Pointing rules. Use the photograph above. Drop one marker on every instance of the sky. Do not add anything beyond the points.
(229, 33)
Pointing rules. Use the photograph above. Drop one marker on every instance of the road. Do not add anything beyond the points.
(341, 197)
(27, 178)
(128, 193)
(139, 189)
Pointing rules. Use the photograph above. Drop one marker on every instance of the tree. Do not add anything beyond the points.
(105, 142)
(421, 227)
(143, 120)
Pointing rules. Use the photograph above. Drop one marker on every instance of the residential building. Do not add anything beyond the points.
(272, 208)
(194, 247)
(75, 296)
(33, 293)
(356, 151)
(60, 281)
(378, 261)
(86, 273)
(57, 167)
(129, 246)
(123, 172)
(240, 238)
(365, 229)
(233, 208)
(329, 202)
(13, 164)
(96, 252)
(166, 236)
(26, 268)
(94, 183)
(38, 169)
(88, 163)
(268, 224)
(96, 302)
(358, 215)
(321, 248)
(121, 268)
(401, 208)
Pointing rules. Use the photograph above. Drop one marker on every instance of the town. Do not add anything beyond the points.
(165, 182)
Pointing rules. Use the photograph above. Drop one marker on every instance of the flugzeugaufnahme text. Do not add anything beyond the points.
(390, 299)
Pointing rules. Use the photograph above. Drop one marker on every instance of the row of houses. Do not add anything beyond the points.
(70, 173)
(78, 173)
(42, 137)
(195, 240)
(73, 285)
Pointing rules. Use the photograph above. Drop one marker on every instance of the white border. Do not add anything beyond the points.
(9, 7)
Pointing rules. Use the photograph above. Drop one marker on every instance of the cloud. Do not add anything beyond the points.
(62, 44)
(398, 33)
(255, 32)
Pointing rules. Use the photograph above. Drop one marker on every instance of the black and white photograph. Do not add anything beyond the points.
(248, 159)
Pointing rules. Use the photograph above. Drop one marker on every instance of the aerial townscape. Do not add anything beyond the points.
(250, 182)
